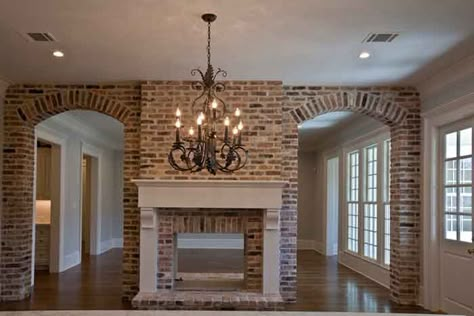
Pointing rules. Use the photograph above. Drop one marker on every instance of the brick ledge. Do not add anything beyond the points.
(207, 300)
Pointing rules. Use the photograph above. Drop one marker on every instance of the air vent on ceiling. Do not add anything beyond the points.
(41, 37)
(380, 37)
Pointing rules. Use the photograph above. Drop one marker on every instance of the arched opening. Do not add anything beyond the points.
(19, 184)
(344, 207)
(78, 217)
(401, 192)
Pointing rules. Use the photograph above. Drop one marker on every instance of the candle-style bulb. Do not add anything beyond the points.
(178, 112)
(214, 104)
(201, 116)
(237, 112)
(226, 121)
(235, 131)
(178, 123)
(240, 126)
(199, 121)
(191, 131)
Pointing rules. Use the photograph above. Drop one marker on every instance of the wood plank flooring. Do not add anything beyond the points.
(323, 285)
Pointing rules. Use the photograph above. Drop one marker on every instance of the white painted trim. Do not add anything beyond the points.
(451, 112)
(368, 269)
(117, 242)
(57, 264)
(335, 153)
(71, 260)
(105, 246)
(96, 198)
(307, 244)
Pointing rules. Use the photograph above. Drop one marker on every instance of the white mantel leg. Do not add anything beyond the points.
(148, 250)
(271, 252)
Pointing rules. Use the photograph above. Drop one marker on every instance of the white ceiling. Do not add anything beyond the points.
(97, 127)
(327, 130)
(298, 41)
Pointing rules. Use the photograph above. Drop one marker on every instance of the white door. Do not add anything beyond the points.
(332, 207)
(457, 253)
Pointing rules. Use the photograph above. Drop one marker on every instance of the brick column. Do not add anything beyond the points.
(3, 88)
(166, 245)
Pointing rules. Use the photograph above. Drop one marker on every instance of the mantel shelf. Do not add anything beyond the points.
(233, 194)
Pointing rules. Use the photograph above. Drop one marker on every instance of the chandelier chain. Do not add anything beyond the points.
(208, 43)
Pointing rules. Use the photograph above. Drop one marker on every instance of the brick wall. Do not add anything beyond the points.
(271, 113)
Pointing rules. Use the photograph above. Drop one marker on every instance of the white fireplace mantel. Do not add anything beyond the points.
(210, 194)
(154, 194)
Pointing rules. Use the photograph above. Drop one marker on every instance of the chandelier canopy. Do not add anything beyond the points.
(207, 150)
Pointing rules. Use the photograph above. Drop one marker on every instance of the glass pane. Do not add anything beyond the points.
(465, 171)
(451, 227)
(465, 200)
(465, 142)
(466, 228)
(450, 172)
(450, 200)
(451, 145)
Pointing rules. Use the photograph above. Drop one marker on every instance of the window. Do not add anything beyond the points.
(353, 205)
(457, 186)
(367, 183)
(370, 203)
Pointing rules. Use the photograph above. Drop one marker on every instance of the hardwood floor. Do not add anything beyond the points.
(323, 285)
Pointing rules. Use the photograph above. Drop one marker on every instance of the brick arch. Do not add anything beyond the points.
(401, 114)
(51, 104)
(25, 107)
(376, 106)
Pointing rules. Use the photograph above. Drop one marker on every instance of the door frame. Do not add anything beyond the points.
(433, 120)
(95, 223)
(56, 253)
(326, 157)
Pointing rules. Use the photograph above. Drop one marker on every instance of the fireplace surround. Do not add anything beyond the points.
(171, 207)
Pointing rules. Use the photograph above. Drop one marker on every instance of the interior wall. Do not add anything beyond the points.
(111, 208)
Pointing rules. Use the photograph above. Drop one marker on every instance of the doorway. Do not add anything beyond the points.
(455, 213)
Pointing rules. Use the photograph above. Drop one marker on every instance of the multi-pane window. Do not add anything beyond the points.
(370, 203)
(458, 185)
(353, 204)
(386, 203)
(367, 182)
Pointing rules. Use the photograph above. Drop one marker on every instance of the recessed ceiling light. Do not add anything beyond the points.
(364, 55)
(58, 53)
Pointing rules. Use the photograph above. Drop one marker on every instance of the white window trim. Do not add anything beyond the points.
(377, 137)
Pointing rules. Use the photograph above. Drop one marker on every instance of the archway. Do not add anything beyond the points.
(401, 114)
(21, 116)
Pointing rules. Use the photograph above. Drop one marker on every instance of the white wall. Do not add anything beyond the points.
(111, 210)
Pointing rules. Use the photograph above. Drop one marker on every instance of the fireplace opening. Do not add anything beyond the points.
(210, 262)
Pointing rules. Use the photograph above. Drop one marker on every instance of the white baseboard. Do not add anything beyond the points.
(70, 261)
(105, 245)
(117, 243)
(368, 269)
(307, 244)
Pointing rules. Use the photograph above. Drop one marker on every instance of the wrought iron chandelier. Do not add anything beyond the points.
(207, 150)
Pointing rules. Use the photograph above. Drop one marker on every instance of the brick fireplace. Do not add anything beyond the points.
(171, 207)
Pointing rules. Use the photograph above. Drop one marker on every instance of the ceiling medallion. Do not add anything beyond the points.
(207, 150)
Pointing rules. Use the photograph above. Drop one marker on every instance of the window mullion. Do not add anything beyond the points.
(380, 199)
(362, 160)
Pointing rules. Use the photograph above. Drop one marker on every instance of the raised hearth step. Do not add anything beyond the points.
(207, 300)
